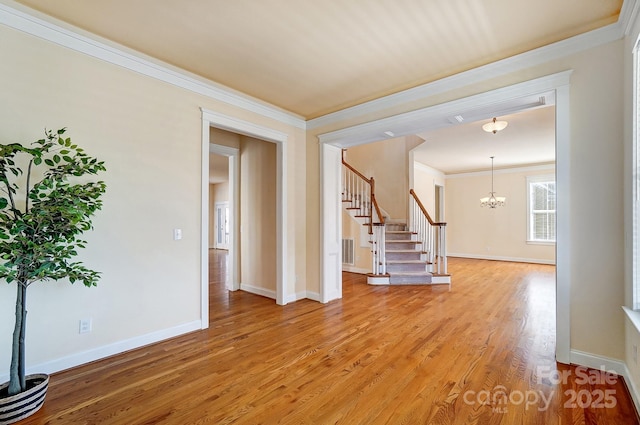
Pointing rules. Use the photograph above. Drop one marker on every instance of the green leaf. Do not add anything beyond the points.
(49, 162)
(56, 159)
(3, 203)
(37, 160)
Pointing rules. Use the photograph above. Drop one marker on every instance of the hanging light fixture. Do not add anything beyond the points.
(492, 201)
(495, 126)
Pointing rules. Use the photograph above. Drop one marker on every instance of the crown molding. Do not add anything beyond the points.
(433, 117)
(427, 168)
(16, 16)
(499, 68)
(628, 15)
(19, 17)
(530, 168)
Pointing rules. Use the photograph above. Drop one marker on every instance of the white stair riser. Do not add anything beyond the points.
(403, 256)
(402, 245)
(406, 267)
(409, 280)
(403, 236)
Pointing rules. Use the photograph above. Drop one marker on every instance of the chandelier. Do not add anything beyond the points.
(492, 201)
(495, 126)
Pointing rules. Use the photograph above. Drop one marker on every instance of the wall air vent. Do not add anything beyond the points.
(348, 252)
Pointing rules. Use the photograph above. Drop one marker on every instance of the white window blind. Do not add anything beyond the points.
(541, 208)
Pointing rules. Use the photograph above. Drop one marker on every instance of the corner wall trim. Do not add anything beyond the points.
(258, 291)
(108, 350)
(314, 296)
(631, 386)
(49, 29)
(618, 367)
(593, 361)
(515, 63)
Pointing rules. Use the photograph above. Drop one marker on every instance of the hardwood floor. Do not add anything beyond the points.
(480, 354)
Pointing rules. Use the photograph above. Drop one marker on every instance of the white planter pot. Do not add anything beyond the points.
(20, 406)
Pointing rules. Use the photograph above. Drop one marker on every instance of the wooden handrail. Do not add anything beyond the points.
(356, 172)
(372, 184)
(424, 210)
(375, 204)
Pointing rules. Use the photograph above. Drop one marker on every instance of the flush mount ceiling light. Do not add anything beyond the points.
(494, 126)
(492, 201)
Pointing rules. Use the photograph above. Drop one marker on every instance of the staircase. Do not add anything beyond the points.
(406, 263)
(413, 254)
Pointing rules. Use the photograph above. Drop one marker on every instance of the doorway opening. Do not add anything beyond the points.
(482, 106)
(210, 120)
(221, 226)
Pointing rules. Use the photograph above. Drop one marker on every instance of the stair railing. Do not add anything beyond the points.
(430, 233)
(359, 192)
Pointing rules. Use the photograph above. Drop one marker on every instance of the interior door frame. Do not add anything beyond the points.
(232, 282)
(216, 220)
(415, 121)
(224, 122)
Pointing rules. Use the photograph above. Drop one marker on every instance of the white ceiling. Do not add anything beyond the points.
(313, 57)
(529, 139)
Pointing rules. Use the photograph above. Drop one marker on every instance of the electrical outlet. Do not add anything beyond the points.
(635, 353)
(177, 234)
(85, 326)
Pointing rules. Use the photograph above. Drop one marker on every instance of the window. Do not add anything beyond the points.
(541, 208)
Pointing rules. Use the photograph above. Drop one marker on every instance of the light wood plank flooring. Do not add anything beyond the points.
(480, 354)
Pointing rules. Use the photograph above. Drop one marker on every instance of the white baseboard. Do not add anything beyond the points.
(295, 297)
(592, 361)
(378, 280)
(501, 258)
(618, 367)
(108, 350)
(258, 291)
(633, 389)
(352, 269)
(314, 296)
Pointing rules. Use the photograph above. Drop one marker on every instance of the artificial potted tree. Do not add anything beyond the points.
(47, 199)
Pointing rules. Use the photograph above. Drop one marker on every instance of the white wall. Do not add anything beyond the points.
(595, 162)
(387, 162)
(496, 234)
(258, 215)
(425, 180)
(632, 332)
(352, 229)
(149, 133)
